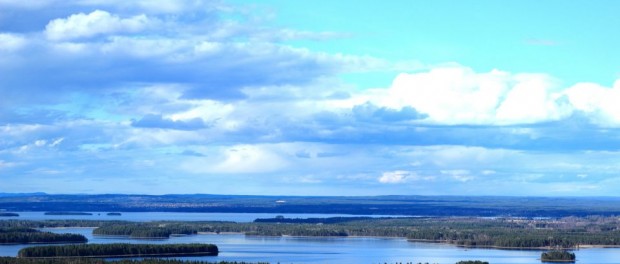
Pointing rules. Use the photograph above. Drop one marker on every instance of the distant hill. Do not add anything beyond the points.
(486, 206)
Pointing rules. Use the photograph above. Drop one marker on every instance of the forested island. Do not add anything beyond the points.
(4, 214)
(557, 256)
(67, 213)
(139, 230)
(12, 260)
(119, 250)
(114, 214)
(25, 235)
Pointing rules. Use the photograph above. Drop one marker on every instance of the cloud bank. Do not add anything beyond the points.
(147, 96)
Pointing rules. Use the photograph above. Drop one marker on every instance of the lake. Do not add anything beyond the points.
(174, 216)
(354, 250)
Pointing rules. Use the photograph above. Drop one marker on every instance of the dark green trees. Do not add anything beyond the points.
(24, 235)
(557, 256)
(119, 250)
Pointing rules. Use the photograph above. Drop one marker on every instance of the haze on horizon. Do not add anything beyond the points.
(310, 97)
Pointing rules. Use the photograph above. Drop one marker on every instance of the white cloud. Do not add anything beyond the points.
(458, 95)
(401, 176)
(249, 159)
(531, 100)
(95, 23)
(238, 159)
(459, 175)
(11, 42)
(488, 172)
(395, 176)
(601, 104)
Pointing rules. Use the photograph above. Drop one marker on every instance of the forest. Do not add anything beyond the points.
(5, 214)
(26, 235)
(67, 213)
(557, 256)
(119, 250)
(139, 230)
(11, 260)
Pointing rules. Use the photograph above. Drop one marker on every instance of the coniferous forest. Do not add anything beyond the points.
(119, 250)
(25, 235)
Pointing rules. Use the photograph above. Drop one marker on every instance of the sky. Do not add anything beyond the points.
(280, 97)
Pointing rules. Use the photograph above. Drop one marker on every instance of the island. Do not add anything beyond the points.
(14, 260)
(557, 256)
(143, 230)
(119, 250)
(67, 213)
(114, 214)
(2, 214)
(24, 235)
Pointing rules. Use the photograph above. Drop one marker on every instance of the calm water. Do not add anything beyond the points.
(340, 250)
(170, 216)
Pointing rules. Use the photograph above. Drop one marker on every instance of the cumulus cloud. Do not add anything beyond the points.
(597, 102)
(458, 95)
(95, 23)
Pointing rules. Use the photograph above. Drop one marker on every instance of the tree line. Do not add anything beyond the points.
(12, 260)
(557, 256)
(118, 250)
(26, 235)
(138, 230)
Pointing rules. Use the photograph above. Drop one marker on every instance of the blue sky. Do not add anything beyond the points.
(310, 97)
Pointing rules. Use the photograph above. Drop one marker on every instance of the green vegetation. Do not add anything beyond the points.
(557, 256)
(119, 250)
(25, 235)
(8, 214)
(138, 230)
(10, 260)
(56, 223)
(67, 213)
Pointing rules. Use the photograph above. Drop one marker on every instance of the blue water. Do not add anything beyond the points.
(339, 250)
(171, 216)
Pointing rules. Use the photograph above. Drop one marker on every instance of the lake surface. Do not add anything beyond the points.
(238, 247)
(173, 216)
